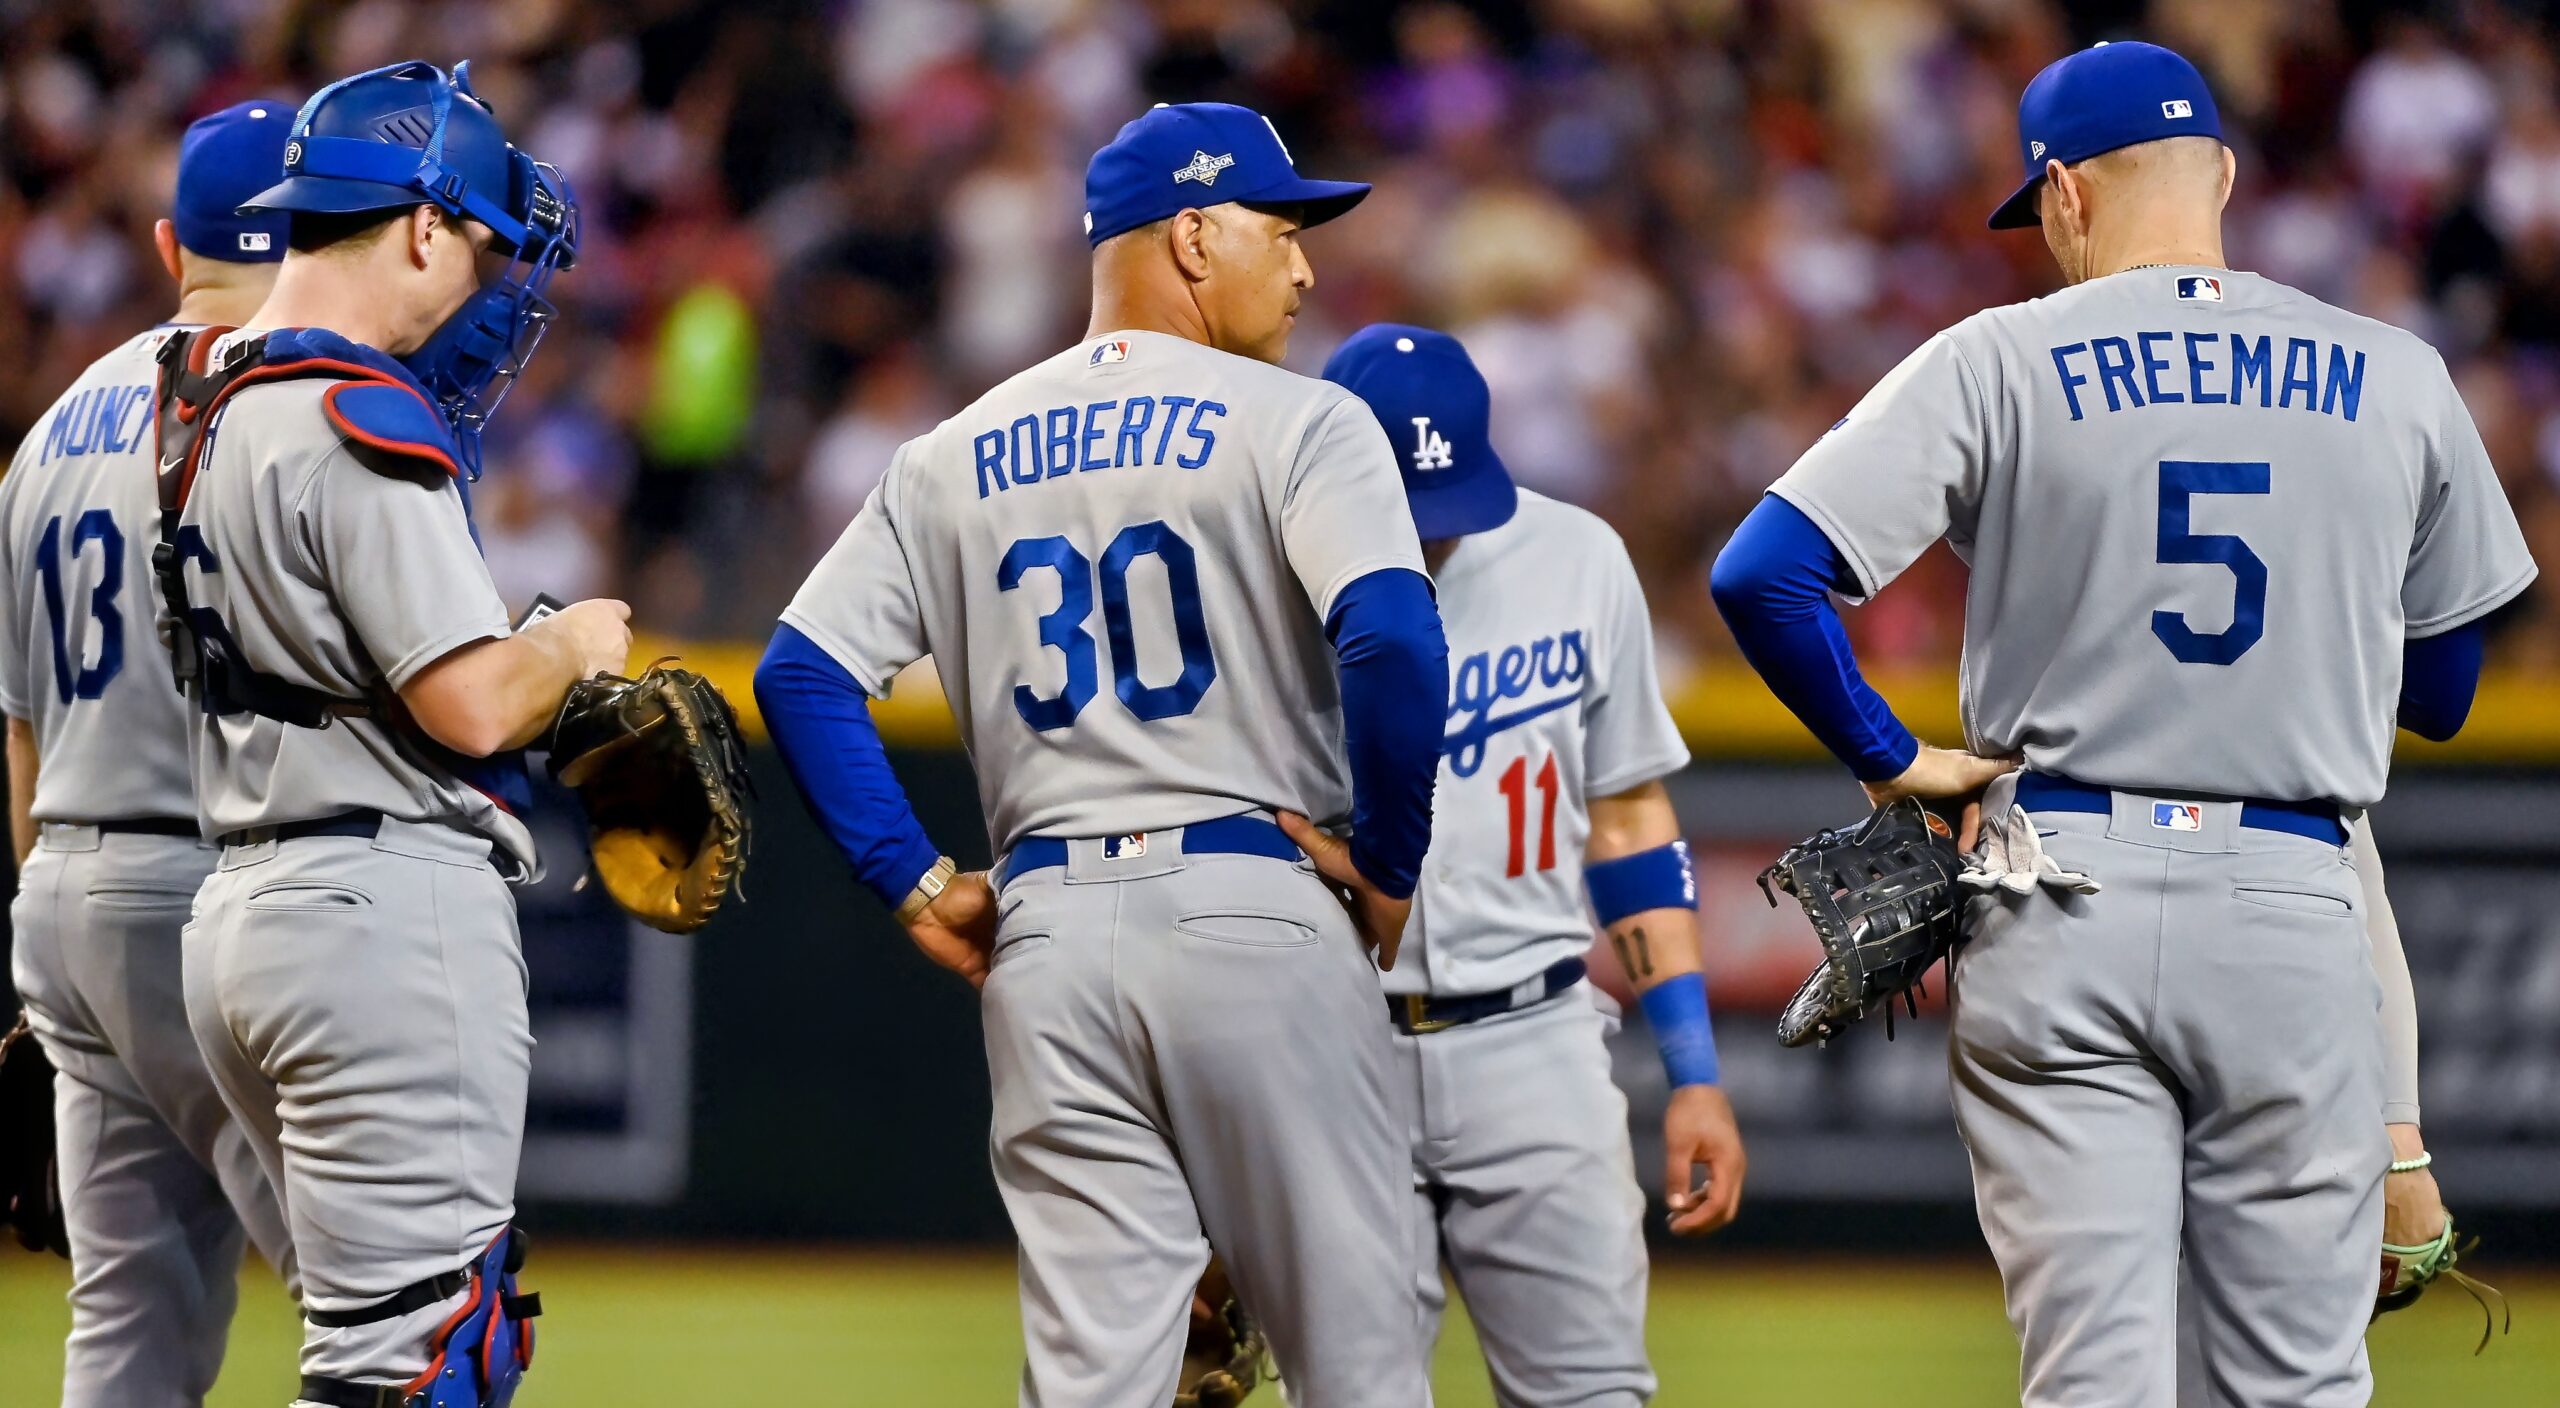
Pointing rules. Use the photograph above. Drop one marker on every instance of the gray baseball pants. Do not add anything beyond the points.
(2187, 1064)
(362, 1005)
(1187, 1052)
(158, 1184)
(1525, 1185)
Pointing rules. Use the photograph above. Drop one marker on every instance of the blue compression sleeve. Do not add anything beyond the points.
(1391, 655)
(821, 720)
(2439, 674)
(1772, 582)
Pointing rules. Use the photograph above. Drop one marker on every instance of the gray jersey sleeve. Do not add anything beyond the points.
(362, 530)
(1904, 468)
(1343, 513)
(2470, 556)
(1629, 737)
(860, 604)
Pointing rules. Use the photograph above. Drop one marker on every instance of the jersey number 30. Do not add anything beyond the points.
(1064, 629)
(2180, 482)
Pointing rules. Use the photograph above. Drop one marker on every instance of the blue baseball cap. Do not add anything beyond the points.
(1195, 155)
(224, 159)
(1426, 391)
(2095, 101)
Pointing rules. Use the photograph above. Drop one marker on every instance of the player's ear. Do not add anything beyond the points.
(424, 227)
(164, 240)
(2230, 176)
(2069, 198)
(1188, 231)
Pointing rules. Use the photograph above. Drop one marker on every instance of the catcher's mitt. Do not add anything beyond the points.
(2408, 1271)
(30, 1184)
(1883, 899)
(659, 767)
(1223, 1361)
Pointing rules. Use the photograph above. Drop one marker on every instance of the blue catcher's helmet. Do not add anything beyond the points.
(410, 135)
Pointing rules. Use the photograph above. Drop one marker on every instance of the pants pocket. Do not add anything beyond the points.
(131, 896)
(308, 895)
(2295, 896)
(1247, 928)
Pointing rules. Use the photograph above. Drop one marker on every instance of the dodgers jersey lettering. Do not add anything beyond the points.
(2203, 512)
(340, 577)
(80, 659)
(1553, 699)
(1121, 561)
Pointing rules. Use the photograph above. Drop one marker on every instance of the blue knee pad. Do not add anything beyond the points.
(482, 1349)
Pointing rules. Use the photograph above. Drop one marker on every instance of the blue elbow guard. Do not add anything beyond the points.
(1661, 878)
(1677, 1010)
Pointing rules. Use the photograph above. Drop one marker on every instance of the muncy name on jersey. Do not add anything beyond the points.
(100, 420)
(1485, 681)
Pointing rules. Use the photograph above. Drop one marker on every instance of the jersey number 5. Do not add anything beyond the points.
(98, 526)
(1064, 629)
(2180, 482)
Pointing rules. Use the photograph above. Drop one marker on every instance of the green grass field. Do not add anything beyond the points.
(711, 1328)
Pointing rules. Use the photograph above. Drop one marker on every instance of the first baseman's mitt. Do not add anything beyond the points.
(659, 767)
(1223, 1360)
(30, 1182)
(1884, 901)
(2408, 1271)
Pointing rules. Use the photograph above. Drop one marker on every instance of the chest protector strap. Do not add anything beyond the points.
(187, 399)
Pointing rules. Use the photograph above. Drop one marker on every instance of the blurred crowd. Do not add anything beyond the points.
(1681, 236)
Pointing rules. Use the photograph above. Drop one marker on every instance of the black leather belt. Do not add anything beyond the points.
(358, 823)
(1415, 1014)
(141, 826)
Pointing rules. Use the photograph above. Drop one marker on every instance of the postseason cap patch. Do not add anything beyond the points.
(2200, 288)
(2177, 816)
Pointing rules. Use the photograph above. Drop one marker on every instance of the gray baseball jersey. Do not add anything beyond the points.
(1553, 700)
(2203, 511)
(1121, 560)
(79, 660)
(339, 576)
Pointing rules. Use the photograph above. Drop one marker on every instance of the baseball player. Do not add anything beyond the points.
(2221, 536)
(1557, 741)
(1178, 605)
(352, 969)
(159, 1186)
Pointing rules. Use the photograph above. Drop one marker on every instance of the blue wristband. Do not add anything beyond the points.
(1660, 878)
(1677, 1009)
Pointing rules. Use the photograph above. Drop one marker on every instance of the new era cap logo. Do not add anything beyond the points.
(2177, 816)
(1204, 168)
(2177, 107)
(2200, 288)
(256, 242)
(2036, 150)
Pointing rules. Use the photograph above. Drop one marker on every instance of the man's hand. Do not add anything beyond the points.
(1698, 1132)
(2412, 1208)
(958, 930)
(596, 633)
(1379, 917)
(1942, 773)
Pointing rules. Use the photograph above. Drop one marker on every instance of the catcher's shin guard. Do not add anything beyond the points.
(480, 1352)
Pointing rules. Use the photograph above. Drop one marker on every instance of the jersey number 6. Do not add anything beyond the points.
(2180, 482)
(1064, 629)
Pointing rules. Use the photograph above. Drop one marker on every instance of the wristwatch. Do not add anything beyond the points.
(928, 889)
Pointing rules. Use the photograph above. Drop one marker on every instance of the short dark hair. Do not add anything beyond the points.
(313, 231)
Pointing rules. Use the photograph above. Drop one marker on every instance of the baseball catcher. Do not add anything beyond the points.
(658, 765)
(1884, 900)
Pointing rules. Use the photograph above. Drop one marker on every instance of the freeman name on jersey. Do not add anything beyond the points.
(1066, 440)
(2212, 368)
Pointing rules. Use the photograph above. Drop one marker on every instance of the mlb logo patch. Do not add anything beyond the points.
(2177, 816)
(1116, 350)
(2200, 288)
(2177, 107)
(256, 242)
(1129, 847)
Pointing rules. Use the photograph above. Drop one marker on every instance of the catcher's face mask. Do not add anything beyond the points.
(472, 360)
